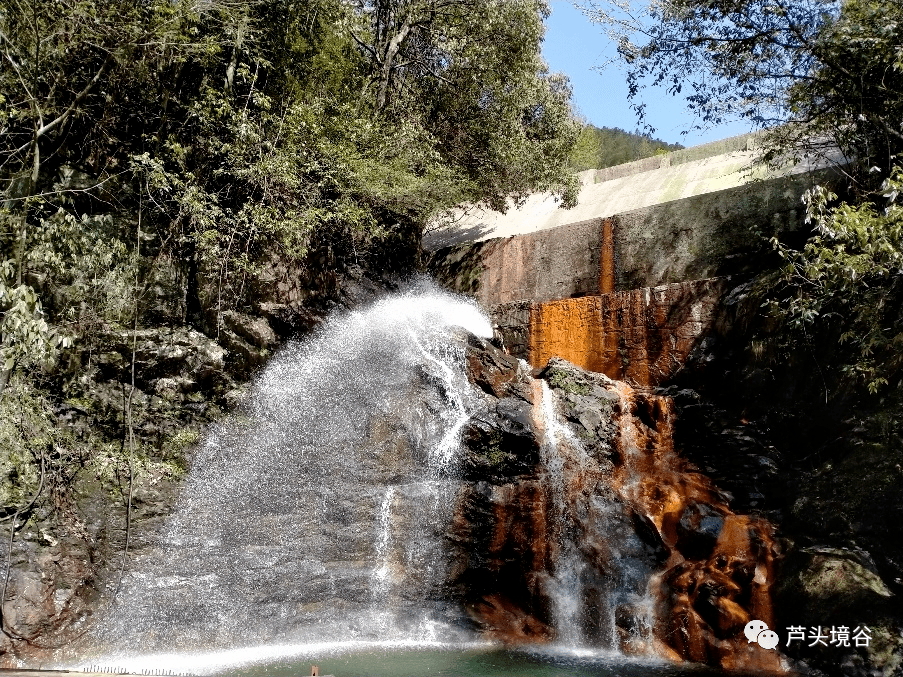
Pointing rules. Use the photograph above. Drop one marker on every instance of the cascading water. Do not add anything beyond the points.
(565, 587)
(316, 512)
(585, 605)
(353, 501)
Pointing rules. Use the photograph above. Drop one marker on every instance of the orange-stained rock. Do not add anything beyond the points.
(610, 468)
(643, 335)
(732, 617)
(706, 595)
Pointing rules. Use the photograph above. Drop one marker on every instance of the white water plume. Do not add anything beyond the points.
(284, 532)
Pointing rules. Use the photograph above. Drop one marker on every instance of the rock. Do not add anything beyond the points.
(588, 401)
(640, 335)
(828, 587)
(698, 530)
(489, 368)
(649, 534)
(290, 319)
(731, 617)
(244, 359)
(589, 418)
(831, 583)
(500, 443)
(254, 330)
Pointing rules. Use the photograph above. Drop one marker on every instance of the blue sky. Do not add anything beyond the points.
(575, 46)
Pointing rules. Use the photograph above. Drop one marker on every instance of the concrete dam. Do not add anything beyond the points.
(627, 281)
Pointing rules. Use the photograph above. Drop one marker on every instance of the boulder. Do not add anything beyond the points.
(698, 530)
(831, 588)
(254, 330)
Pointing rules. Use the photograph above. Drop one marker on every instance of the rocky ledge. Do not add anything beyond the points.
(581, 522)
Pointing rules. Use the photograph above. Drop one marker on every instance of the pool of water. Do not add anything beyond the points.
(469, 662)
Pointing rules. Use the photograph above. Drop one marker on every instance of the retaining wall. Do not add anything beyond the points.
(709, 235)
(643, 335)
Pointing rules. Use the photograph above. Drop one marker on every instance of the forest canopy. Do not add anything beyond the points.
(209, 135)
(600, 147)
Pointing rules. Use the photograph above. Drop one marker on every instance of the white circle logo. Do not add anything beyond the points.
(757, 631)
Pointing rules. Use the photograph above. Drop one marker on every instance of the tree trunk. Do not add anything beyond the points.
(388, 62)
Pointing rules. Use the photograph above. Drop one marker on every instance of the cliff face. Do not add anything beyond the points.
(789, 441)
(583, 523)
(824, 470)
(69, 547)
(820, 477)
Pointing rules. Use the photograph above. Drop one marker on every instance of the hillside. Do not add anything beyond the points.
(597, 148)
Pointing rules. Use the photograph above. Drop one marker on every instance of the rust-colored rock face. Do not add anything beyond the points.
(642, 336)
(720, 566)
(584, 526)
(505, 572)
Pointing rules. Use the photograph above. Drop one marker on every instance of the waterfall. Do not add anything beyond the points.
(381, 573)
(382, 486)
(566, 590)
(315, 512)
(595, 604)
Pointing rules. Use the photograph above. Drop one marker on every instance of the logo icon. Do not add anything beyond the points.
(757, 631)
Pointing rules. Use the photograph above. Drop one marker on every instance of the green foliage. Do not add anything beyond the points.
(726, 58)
(241, 132)
(470, 74)
(824, 75)
(852, 98)
(88, 271)
(26, 426)
(606, 147)
(159, 160)
(26, 340)
(848, 282)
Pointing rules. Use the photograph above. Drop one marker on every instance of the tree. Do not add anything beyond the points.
(846, 283)
(470, 74)
(598, 148)
(246, 130)
(824, 75)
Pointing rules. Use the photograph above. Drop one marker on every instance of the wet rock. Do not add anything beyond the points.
(588, 401)
(505, 620)
(500, 443)
(646, 530)
(698, 530)
(289, 320)
(500, 440)
(501, 532)
(489, 368)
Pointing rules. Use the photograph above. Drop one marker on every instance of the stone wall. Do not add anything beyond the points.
(559, 263)
(709, 235)
(643, 335)
(705, 235)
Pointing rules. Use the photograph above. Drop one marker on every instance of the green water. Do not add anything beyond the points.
(470, 663)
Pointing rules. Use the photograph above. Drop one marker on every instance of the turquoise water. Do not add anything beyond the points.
(488, 662)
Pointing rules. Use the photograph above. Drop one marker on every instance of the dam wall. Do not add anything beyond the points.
(702, 236)
(626, 285)
(642, 336)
